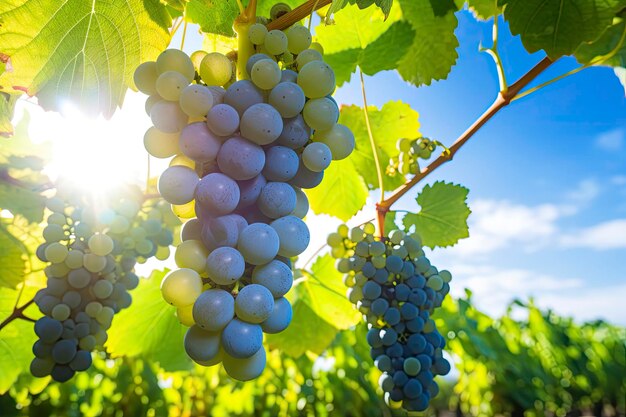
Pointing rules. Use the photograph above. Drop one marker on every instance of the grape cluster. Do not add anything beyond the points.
(91, 253)
(411, 150)
(243, 156)
(396, 288)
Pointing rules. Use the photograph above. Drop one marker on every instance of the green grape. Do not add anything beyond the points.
(196, 58)
(94, 263)
(100, 244)
(435, 282)
(53, 233)
(87, 343)
(145, 77)
(93, 308)
(185, 315)
(403, 145)
(356, 234)
(369, 228)
(334, 240)
(308, 55)
(275, 42)
(57, 218)
(338, 252)
(150, 101)
(138, 233)
(339, 139)
(278, 10)
(171, 84)
(102, 289)
(82, 230)
(181, 287)
(216, 69)
(298, 38)
(196, 101)
(317, 47)
(128, 208)
(56, 252)
(445, 275)
(287, 58)
(144, 246)
(74, 259)
(265, 74)
(162, 253)
(396, 236)
(343, 230)
(321, 113)
(120, 224)
(191, 254)
(168, 117)
(175, 60)
(61, 312)
(316, 156)
(379, 261)
(316, 79)
(257, 33)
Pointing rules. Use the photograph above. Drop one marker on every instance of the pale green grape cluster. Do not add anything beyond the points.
(411, 150)
(91, 250)
(244, 154)
(394, 286)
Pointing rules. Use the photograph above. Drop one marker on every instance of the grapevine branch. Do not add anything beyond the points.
(297, 14)
(501, 101)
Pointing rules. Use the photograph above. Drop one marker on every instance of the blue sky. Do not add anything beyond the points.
(547, 175)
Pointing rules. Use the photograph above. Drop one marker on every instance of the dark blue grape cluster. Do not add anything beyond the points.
(91, 250)
(397, 289)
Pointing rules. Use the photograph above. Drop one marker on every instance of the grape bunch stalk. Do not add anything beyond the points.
(91, 250)
(395, 287)
(242, 155)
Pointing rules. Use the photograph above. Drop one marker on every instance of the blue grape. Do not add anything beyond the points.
(379, 306)
(281, 163)
(241, 159)
(280, 317)
(254, 303)
(392, 316)
(277, 199)
(213, 309)
(250, 190)
(293, 234)
(275, 275)
(241, 339)
(373, 338)
(371, 290)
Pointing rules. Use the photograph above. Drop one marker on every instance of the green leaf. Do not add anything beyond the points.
(306, 332)
(442, 220)
(149, 328)
(21, 146)
(609, 49)
(375, 46)
(482, 9)
(384, 5)
(342, 192)
(559, 27)
(325, 293)
(218, 43)
(12, 259)
(213, 16)
(16, 342)
(433, 52)
(80, 51)
(7, 108)
(393, 121)
(390, 222)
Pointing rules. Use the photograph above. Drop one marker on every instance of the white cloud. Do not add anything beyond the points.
(586, 191)
(497, 224)
(619, 180)
(612, 140)
(494, 288)
(608, 235)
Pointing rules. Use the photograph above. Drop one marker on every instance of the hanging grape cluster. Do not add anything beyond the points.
(242, 155)
(91, 249)
(397, 289)
(411, 151)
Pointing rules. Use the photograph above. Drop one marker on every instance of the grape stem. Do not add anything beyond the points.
(501, 101)
(18, 313)
(297, 14)
(245, 49)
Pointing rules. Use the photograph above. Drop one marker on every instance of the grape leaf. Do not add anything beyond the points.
(306, 332)
(12, 258)
(218, 43)
(393, 121)
(213, 16)
(7, 108)
(559, 27)
(433, 52)
(325, 293)
(80, 51)
(609, 49)
(16, 342)
(149, 328)
(390, 222)
(384, 5)
(342, 192)
(482, 9)
(377, 46)
(442, 220)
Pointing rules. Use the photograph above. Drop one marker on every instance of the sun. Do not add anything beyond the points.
(94, 154)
